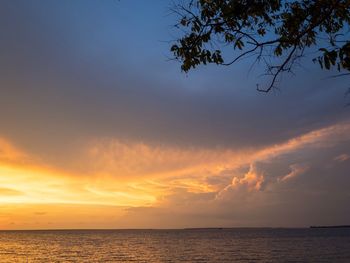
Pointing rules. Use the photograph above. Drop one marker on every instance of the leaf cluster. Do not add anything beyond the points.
(282, 30)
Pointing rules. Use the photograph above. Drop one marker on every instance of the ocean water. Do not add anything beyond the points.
(213, 245)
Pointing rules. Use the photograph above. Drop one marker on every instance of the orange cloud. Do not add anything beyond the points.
(130, 159)
(10, 154)
(240, 185)
(252, 180)
(135, 174)
(24, 180)
(296, 170)
(163, 168)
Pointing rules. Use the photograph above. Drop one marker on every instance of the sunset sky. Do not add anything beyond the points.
(101, 129)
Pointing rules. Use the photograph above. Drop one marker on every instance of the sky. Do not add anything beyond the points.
(101, 129)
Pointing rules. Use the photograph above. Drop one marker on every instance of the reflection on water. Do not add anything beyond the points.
(226, 245)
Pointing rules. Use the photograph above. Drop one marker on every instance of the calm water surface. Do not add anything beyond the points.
(226, 245)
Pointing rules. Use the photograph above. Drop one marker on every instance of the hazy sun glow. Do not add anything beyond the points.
(119, 176)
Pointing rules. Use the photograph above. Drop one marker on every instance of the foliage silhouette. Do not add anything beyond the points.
(277, 33)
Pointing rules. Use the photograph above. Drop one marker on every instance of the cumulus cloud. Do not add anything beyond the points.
(252, 180)
(240, 185)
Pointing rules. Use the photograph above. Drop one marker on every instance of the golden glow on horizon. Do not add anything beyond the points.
(46, 187)
(120, 175)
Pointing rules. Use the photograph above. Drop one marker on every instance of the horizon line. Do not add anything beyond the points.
(184, 228)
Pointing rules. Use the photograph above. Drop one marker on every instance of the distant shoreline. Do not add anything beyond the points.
(168, 229)
(147, 229)
(339, 226)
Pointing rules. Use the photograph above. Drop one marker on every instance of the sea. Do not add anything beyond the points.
(187, 245)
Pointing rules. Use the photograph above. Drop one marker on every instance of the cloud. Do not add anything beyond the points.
(197, 168)
(295, 170)
(252, 180)
(8, 152)
(342, 157)
(9, 192)
(187, 181)
(41, 213)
